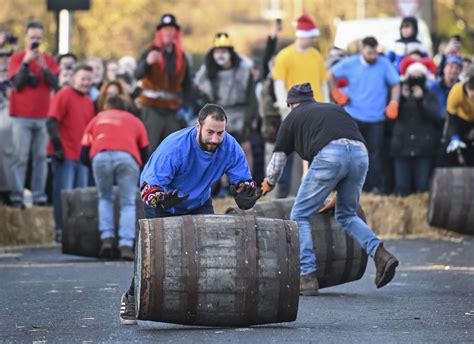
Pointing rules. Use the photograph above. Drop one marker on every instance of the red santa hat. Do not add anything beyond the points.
(424, 65)
(305, 27)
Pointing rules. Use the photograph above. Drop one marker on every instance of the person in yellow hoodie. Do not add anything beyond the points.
(459, 132)
(298, 63)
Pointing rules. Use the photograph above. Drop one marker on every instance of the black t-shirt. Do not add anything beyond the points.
(312, 125)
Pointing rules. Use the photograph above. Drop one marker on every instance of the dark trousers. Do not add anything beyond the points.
(411, 172)
(373, 134)
(153, 213)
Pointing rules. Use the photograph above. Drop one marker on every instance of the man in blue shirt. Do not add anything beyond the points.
(371, 78)
(177, 178)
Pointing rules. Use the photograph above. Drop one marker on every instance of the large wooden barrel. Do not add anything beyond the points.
(80, 221)
(451, 200)
(217, 270)
(340, 259)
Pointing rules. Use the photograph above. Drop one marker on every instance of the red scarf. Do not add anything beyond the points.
(178, 49)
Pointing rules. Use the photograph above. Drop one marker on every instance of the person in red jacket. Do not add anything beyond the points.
(70, 111)
(117, 143)
(33, 75)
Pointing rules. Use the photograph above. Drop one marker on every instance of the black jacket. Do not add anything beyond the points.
(415, 130)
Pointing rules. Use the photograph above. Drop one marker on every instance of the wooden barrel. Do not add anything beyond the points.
(340, 259)
(451, 200)
(80, 221)
(217, 270)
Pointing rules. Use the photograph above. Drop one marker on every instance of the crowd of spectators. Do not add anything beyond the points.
(415, 112)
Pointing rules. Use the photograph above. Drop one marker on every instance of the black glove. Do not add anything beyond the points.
(245, 196)
(170, 199)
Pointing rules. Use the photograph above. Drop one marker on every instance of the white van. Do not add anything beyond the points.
(385, 30)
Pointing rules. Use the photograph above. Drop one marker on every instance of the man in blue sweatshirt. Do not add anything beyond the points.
(177, 178)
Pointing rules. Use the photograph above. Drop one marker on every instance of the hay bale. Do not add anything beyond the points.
(26, 226)
(388, 216)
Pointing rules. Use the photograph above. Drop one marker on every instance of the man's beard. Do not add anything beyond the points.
(206, 146)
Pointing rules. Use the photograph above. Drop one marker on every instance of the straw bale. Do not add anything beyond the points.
(388, 216)
(26, 226)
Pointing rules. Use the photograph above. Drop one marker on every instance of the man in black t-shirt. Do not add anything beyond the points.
(326, 136)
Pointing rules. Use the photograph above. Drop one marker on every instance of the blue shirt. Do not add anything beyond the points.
(180, 163)
(441, 91)
(369, 86)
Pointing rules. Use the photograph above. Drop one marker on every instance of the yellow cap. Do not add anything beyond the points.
(222, 40)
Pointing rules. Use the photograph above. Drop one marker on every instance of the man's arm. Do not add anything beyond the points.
(52, 125)
(20, 79)
(142, 66)
(51, 79)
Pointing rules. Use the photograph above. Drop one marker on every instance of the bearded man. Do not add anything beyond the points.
(177, 178)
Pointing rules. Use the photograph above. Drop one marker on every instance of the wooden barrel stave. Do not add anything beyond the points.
(340, 259)
(229, 287)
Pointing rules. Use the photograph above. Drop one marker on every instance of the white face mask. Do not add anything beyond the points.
(222, 59)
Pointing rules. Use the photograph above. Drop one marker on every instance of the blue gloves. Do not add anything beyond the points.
(455, 144)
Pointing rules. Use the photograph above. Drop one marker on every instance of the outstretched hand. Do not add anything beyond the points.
(245, 195)
(171, 199)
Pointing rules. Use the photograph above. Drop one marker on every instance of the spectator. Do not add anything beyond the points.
(110, 89)
(414, 132)
(116, 142)
(67, 61)
(453, 47)
(442, 86)
(164, 72)
(6, 150)
(127, 65)
(298, 63)
(407, 43)
(97, 66)
(66, 76)
(458, 141)
(366, 101)
(466, 65)
(69, 113)
(111, 70)
(33, 75)
(226, 79)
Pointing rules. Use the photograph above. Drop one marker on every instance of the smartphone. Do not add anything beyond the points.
(278, 24)
(34, 45)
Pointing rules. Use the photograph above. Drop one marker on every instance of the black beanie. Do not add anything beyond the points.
(300, 93)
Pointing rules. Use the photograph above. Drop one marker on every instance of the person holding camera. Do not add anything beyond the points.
(414, 136)
(33, 75)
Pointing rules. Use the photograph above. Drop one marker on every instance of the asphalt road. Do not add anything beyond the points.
(47, 297)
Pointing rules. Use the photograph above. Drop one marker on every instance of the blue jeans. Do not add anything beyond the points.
(29, 136)
(121, 167)
(340, 167)
(373, 134)
(67, 175)
(409, 170)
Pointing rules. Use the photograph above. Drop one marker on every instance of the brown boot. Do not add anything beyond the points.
(309, 285)
(385, 265)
